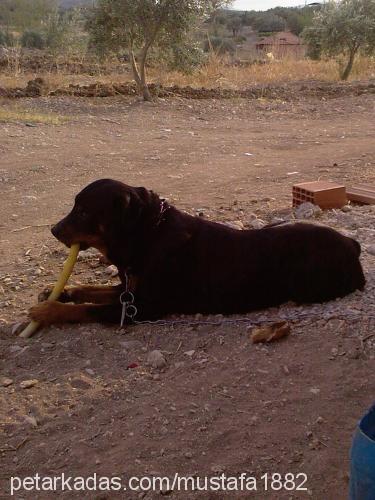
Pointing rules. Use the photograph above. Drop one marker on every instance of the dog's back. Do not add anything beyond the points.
(221, 269)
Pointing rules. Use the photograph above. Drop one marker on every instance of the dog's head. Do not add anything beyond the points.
(107, 213)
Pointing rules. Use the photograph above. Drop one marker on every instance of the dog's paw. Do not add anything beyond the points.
(45, 293)
(47, 312)
(65, 296)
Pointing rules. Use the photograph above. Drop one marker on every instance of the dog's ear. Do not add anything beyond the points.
(150, 199)
(126, 211)
(133, 209)
(150, 204)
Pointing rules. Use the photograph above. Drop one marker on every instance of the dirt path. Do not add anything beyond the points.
(228, 406)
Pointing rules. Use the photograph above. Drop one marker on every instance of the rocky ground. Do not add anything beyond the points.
(195, 398)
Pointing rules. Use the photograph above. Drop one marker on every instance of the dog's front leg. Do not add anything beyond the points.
(51, 312)
(85, 294)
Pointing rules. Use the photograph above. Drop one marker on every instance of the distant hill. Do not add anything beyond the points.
(73, 3)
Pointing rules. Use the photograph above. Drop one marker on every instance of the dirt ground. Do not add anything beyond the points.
(221, 404)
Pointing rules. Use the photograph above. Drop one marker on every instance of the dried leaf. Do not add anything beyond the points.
(270, 333)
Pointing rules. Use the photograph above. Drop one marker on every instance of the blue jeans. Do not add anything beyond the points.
(362, 459)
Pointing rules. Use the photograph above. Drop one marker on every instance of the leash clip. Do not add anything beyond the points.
(129, 310)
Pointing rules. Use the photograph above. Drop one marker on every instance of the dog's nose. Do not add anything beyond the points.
(55, 231)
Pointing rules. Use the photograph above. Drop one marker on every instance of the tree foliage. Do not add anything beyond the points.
(138, 25)
(235, 24)
(343, 29)
(24, 14)
(63, 31)
(270, 22)
(294, 19)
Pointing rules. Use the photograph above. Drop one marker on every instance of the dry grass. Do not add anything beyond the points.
(217, 72)
(21, 115)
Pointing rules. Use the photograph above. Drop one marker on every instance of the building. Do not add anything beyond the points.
(282, 44)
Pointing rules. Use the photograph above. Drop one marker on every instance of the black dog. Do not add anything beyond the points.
(177, 263)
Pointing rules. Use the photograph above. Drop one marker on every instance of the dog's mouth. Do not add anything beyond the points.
(83, 245)
(85, 241)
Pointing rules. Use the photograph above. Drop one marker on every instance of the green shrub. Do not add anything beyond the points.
(219, 45)
(185, 57)
(32, 40)
(240, 39)
(6, 39)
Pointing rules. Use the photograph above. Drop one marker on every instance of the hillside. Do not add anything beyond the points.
(72, 3)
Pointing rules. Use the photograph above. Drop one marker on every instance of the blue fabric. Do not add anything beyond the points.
(362, 459)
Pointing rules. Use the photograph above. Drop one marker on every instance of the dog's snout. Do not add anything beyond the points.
(58, 231)
(54, 230)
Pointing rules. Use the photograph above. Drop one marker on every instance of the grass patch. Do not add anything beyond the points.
(215, 73)
(21, 115)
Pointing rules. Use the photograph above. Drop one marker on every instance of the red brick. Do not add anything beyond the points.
(322, 193)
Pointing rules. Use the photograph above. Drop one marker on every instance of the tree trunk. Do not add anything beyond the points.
(140, 75)
(145, 90)
(345, 74)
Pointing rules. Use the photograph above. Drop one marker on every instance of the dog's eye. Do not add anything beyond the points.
(81, 213)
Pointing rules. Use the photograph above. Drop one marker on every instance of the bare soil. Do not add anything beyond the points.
(221, 404)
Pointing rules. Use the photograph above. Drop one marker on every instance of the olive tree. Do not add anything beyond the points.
(138, 25)
(343, 29)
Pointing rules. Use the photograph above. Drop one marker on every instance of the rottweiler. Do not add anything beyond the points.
(175, 263)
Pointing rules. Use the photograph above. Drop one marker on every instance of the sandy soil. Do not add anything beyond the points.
(220, 405)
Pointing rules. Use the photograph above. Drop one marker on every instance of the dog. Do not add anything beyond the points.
(174, 263)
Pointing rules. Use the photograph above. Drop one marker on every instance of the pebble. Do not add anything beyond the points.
(257, 224)
(190, 353)
(26, 384)
(31, 420)
(111, 271)
(5, 382)
(371, 249)
(156, 359)
(88, 254)
(314, 390)
(15, 348)
(307, 211)
(277, 220)
(236, 224)
(131, 344)
(346, 208)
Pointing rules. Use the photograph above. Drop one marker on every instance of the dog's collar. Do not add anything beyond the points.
(163, 208)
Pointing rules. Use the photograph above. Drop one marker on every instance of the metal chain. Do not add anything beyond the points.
(248, 321)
